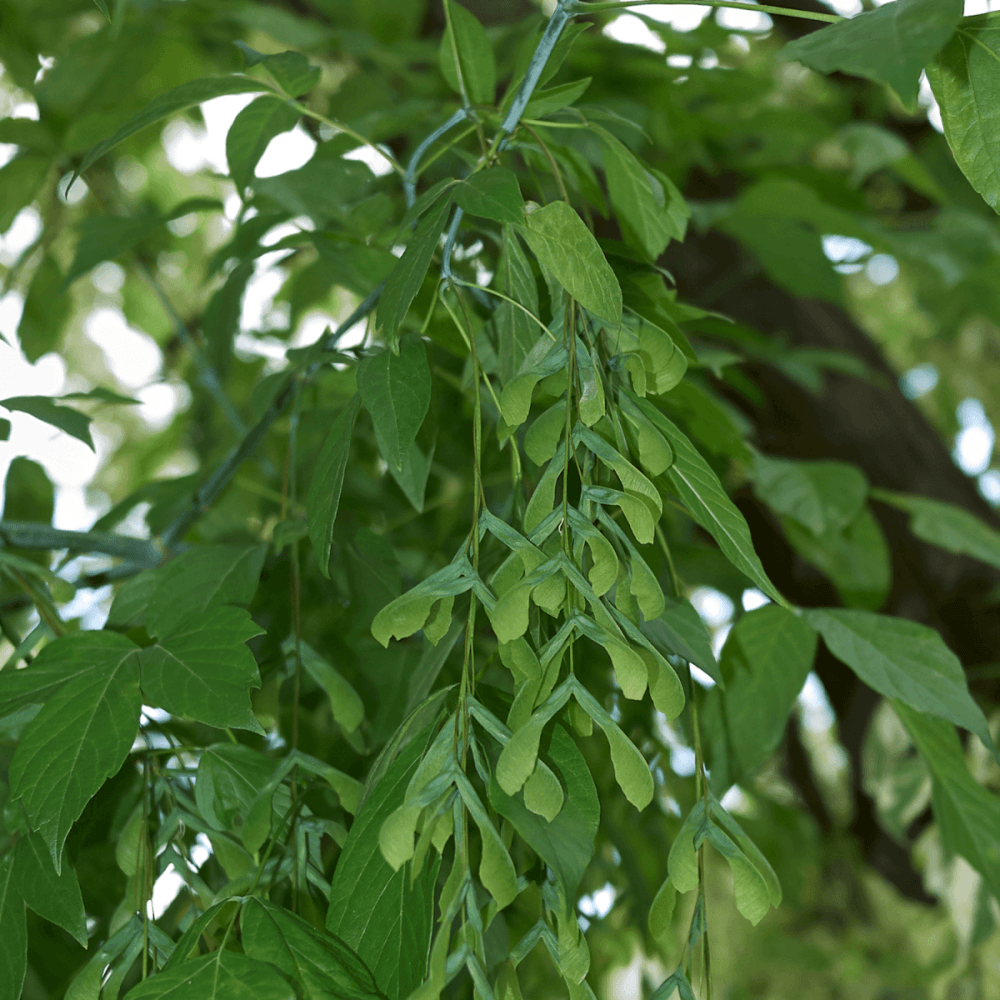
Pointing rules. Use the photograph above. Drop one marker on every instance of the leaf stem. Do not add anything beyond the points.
(341, 127)
(582, 7)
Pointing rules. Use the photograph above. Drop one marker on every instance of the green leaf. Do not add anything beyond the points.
(128, 609)
(492, 194)
(565, 843)
(202, 669)
(553, 99)
(48, 411)
(901, 659)
(466, 38)
(103, 8)
(370, 904)
(965, 79)
(104, 237)
(681, 631)
(856, 559)
(51, 894)
(102, 395)
(767, 656)
(561, 241)
(518, 758)
(750, 850)
(251, 132)
(222, 975)
(682, 861)
(320, 962)
(891, 44)
(220, 321)
(204, 577)
(749, 887)
(660, 912)
(496, 869)
(4, 429)
(546, 358)
(396, 391)
(947, 526)
(345, 703)
(79, 739)
(821, 496)
(20, 181)
(187, 95)
(230, 777)
(59, 662)
(641, 203)
(517, 332)
(413, 474)
(967, 814)
(631, 770)
(46, 310)
(289, 70)
(323, 499)
(13, 932)
(702, 493)
(323, 189)
(406, 277)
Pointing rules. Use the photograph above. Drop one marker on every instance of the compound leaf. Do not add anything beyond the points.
(901, 659)
(203, 670)
(396, 391)
(561, 241)
(79, 739)
(891, 44)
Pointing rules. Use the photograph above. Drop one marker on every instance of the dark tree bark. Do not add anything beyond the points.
(882, 432)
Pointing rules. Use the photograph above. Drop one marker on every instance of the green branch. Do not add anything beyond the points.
(28, 535)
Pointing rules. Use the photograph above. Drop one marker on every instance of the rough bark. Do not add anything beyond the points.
(886, 435)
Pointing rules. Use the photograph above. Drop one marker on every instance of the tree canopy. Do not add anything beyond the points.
(498, 500)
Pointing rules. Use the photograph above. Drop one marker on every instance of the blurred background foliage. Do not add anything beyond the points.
(831, 190)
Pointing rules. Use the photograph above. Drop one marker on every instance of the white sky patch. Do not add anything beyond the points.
(845, 8)
(598, 904)
(844, 249)
(165, 890)
(633, 30)
(681, 17)
(719, 637)
(882, 269)
(817, 714)
(378, 164)
(161, 402)
(24, 230)
(285, 152)
(132, 356)
(928, 101)
(697, 673)
(974, 442)
(918, 381)
(752, 598)
(184, 146)
(735, 800)
(219, 114)
(108, 277)
(989, 486)
(743, 20)
(714, 607)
